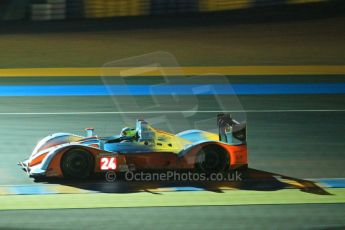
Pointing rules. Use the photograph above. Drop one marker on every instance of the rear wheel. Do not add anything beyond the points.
(77, 164)
(212, 159)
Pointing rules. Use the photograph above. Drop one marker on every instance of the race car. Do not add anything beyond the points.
(65, 155)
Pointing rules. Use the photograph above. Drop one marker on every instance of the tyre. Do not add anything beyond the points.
(212, 159)
(77, 164)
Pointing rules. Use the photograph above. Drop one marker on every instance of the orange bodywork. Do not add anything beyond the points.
(166, 160)
(38, 159)
(154, 160)
(54, 169)
(238, 155)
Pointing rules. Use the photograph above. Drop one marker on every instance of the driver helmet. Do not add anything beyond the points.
(128, 132)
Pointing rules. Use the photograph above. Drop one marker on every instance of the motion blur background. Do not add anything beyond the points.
(60, 33)
(79, 9)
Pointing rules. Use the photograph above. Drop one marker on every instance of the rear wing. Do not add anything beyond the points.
(231, 131)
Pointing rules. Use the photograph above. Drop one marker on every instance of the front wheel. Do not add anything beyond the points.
(77, 164)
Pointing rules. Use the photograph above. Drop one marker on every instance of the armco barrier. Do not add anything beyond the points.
(51, 10)
(164, 7)
(13, 9)
(111, 8)
(80, 9)
(75, 9)
(303, 1)
(257, 3)
(220, 5)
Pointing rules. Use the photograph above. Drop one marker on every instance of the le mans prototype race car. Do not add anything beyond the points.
(66, 155)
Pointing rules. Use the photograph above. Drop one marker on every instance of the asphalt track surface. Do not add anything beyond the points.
(303, 144)
(297, 136)
(312, 216)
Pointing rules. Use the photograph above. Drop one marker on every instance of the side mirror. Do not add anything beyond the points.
(89, 132)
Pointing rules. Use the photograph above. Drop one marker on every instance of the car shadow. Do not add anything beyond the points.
(249, 179)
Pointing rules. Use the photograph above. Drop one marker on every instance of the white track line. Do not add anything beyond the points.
(172, 112)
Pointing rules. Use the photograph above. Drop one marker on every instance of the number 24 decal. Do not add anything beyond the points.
(108, 163)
